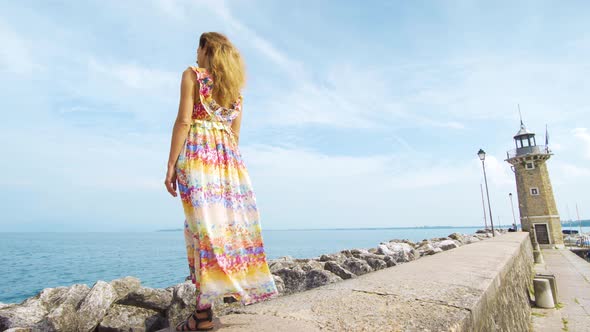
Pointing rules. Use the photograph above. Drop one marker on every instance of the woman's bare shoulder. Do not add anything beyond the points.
(189, 74)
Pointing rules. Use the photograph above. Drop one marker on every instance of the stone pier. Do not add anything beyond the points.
(480, 287)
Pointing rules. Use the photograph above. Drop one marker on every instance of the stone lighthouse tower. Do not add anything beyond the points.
(538, 211)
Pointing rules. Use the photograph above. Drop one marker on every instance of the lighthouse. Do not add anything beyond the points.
(536, 203)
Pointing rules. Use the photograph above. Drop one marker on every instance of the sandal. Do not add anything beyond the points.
(186, 327)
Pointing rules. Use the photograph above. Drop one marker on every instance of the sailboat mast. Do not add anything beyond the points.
(579, 221)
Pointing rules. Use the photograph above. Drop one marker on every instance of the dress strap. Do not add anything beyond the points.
(223, 114)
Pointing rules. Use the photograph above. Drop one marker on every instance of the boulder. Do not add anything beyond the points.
(316, 278)
(357, 252)
(279, 283)
(377, 262)
(293, 279)
(126, 285)
(468, 239)
(311, 264)
(31, 311)
(123, 318)
(356, 266)
(339, 257)
(458, 237)
(184, 297)
(446, 244)
(338, 270)
(390, 261)
(95, 305)
(426, 249)
(400, 251)
(346, 253)
(63, 314)
(149, 298)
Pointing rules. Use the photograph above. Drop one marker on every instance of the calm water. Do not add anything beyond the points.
(33, 261)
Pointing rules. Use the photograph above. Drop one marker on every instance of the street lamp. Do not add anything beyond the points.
(482, 156)
(513, 215)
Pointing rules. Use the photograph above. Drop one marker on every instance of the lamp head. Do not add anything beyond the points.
(482, 154)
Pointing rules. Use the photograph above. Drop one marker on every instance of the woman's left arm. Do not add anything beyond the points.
(181, 126)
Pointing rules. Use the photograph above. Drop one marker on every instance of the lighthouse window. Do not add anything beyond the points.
(530, 165)
(534, 191)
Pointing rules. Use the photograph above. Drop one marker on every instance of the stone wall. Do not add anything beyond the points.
(480, 287)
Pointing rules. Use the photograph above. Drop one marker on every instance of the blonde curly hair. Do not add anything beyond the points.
(225, 64)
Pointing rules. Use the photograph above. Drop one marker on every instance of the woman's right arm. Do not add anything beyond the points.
(181, 126)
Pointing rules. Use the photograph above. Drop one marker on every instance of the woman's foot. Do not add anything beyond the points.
(190, 324)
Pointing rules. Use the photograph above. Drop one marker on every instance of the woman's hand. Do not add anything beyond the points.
(170, 181)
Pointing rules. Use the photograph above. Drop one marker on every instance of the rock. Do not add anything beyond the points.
(458, 237)
(285, 259)
(376, 262)
(338, 270)
(183, 302)
(372, 250)
(277, 264)
(311, 264)
(470, 239)
(279, 283)
(316, 278)
(426, 249)
(339, 257)
(94, 306)
(185, 293)
(19, 329)
(358, 252)
(149, 298)
(293, 279)
(357, 266)
(63, 316)
(406, 241)
(123, 318)
(390, 261)
(32, 310)
(400, 251)
(446, 244)
(124, 286)
(346, 253)
(325, 258)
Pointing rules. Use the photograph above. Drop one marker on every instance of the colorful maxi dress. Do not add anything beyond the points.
(222, 229)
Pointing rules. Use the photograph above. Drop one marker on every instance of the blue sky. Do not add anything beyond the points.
(354, 115)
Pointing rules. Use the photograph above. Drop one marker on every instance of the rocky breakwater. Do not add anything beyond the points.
(298, 274)
(125, 305)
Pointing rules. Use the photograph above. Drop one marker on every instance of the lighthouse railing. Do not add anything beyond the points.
(537, 149)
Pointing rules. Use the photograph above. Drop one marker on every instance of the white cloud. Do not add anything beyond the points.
(16, 53)
(583, 136)
(132, 76)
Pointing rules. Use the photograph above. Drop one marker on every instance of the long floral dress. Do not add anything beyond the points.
(222, 229)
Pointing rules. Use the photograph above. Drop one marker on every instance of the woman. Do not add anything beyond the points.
(222, 228)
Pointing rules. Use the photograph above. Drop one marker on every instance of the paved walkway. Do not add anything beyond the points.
(572, 274)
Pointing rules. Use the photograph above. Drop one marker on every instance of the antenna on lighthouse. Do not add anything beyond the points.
(546, 139)
(520, 114)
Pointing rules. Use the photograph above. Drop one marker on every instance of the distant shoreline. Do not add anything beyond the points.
(349, 229)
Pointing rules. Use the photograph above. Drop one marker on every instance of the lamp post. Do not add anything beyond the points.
(513, 215)
(482, 156)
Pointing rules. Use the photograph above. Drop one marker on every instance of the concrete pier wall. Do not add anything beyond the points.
(480, 287)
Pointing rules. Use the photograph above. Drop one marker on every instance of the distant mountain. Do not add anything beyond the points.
(169, 230)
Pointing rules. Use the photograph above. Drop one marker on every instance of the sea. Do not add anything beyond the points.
(34, 261)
